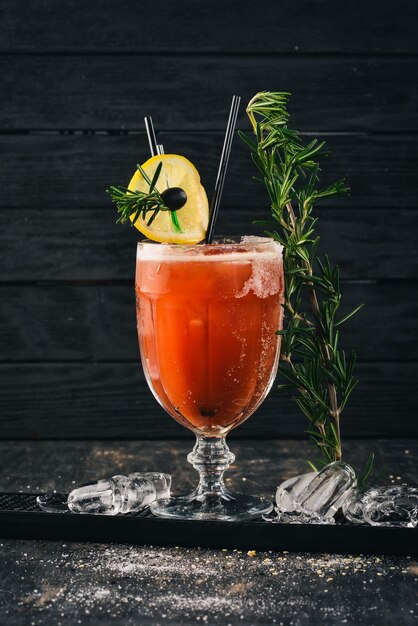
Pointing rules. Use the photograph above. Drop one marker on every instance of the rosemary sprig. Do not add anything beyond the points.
(140, 203)
(318, 373)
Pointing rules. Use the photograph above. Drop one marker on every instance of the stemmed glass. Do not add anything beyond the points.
(207, 318)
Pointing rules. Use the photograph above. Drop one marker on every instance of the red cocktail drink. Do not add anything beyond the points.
(207, 320)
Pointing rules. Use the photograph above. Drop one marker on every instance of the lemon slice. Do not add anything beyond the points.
(192, 218)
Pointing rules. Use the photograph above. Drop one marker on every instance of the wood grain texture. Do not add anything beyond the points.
(123, 585)
(77, 80)
(87, 244)
(97, 323)
(233, 26)
(111, 400)
(32, 466)
(71, 172)
(330, 93)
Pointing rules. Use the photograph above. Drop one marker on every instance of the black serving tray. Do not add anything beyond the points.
(21, 518)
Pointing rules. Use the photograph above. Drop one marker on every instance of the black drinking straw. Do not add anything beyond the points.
(152, 139)
(223, 165)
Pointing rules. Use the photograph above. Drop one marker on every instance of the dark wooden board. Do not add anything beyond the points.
(59, 582)
(21, 519)
(234, 26)
(72, 172)
(87, 245)
(97, 323)
(47, 582)
(260, 465)
(89, 92)
(351, 67)
(111, 400)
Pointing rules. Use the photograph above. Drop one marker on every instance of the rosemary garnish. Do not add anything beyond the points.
(316, 370)
(140, 203)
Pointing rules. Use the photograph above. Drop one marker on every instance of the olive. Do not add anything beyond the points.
(174, 198)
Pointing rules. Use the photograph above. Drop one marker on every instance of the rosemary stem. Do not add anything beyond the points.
(292, 214)
(317, 371)
(332, 391)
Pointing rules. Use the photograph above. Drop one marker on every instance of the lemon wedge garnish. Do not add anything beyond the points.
(192, 218)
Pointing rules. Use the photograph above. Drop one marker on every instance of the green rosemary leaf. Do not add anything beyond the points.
(136, 216)
(252, 144)
(347, 317)
(131, 205)
(363, 478)
(295, 270)
(319, 437)
(265, 223)
(321, 381)
(285, 388)
(258, 163)
(144, 174)
(155, 177)
(152, 218)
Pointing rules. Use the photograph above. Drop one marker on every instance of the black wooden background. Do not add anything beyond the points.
(78, 78)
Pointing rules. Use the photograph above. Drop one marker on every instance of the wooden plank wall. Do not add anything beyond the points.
(78, 78)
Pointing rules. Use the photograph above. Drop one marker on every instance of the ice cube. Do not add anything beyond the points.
(392, 506)
(302, 517)
(288, 491)
(119, 494)
(328, 490)
(53, 502)
(395, 506)
(315, 497)
(353, 507)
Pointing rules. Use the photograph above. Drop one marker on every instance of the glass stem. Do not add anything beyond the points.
(211, 457)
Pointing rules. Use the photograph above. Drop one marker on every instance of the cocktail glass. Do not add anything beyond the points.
(207, 318)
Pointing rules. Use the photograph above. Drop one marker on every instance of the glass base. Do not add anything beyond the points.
(227, 507)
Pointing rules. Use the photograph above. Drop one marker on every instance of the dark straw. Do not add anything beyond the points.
(152, 139)
(223, 166)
